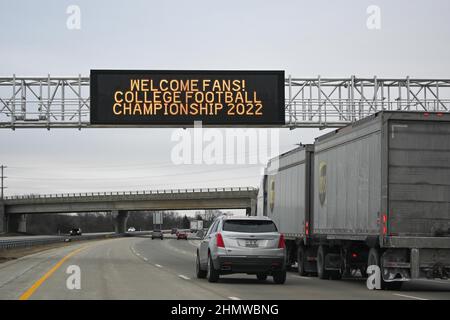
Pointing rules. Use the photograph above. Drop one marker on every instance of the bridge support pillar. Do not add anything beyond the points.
(251, 211)
(120, 222)
(2, 218)
(16, 223)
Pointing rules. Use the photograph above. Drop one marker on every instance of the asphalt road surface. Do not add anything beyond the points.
(141, 268)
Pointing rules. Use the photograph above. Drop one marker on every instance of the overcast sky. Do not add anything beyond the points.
(304, 38)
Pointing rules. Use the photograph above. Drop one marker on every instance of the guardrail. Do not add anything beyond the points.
(125, 193)
(22, 243)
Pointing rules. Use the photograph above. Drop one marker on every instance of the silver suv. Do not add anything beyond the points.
(250, 245)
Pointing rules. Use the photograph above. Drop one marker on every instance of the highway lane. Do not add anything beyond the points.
(177, 256)
(110, 270)
(141, 268)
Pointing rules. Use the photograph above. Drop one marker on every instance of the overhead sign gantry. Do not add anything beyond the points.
(69, 102)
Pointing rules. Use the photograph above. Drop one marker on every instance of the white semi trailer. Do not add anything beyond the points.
(376, 192)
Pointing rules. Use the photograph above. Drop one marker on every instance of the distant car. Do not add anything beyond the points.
(174, 231)
(157, 234)
(182, 235)
(250, 245)
(75, 232)
(131, 229)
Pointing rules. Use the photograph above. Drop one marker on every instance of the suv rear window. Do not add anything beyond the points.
(250, 226)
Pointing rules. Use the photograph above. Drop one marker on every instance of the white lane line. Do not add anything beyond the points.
(234, 298)
(410, 297)
(145, 259)
(158, 265)
(184, 277)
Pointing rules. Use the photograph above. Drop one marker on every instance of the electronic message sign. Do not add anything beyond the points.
(178, 98)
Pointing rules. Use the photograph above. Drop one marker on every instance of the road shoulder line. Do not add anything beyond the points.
(410, 297)
(28, 293)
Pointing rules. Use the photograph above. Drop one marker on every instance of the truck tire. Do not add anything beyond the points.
(322, 273)
(212, 274)
(375, 259)
(335, 275)
(287, 258)
(201, 274)
(279, 277)
(261, 276)
(363, 272)
(301, 260)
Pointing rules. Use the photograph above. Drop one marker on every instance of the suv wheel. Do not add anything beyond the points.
(212, 274)
(201, 274)
(279, 277)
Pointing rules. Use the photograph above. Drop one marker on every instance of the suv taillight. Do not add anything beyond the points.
(219, 240)
(281, 243)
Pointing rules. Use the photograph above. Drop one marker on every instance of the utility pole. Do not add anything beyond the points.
(2, 178)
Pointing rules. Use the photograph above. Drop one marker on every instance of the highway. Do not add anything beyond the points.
(141, 268)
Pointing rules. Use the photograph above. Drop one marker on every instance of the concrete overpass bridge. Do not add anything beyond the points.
(13, 210)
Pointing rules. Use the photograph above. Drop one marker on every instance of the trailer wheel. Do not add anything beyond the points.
(301, 259)
(289, 261)
(261, 276)
(322, 273)
(375, 259)
(335, 275)
(363, 272)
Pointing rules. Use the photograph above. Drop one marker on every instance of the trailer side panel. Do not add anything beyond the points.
(347, 182)
(287, 193)
(419, 178)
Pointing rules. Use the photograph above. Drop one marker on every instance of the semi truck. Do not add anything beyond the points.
(373, 193)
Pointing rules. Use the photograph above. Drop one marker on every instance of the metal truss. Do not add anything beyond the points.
(50, 102)
(63, 102)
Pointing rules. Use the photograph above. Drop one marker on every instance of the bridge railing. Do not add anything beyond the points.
(126, 193)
